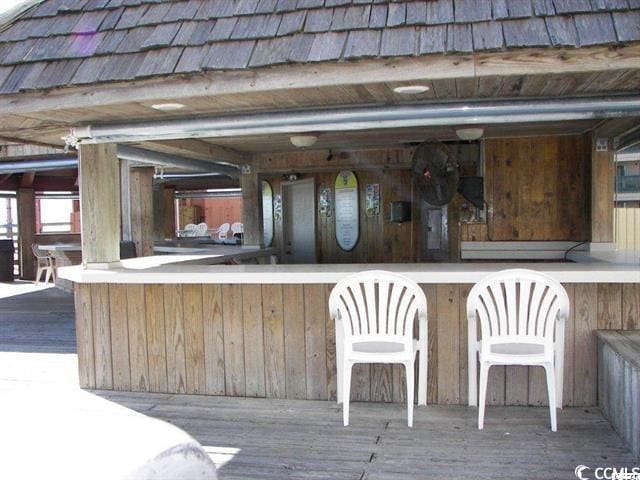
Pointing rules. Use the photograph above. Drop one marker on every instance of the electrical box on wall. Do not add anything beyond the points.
(400, 212)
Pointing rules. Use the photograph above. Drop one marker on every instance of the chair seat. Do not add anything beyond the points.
(517, 349)
(378, 347)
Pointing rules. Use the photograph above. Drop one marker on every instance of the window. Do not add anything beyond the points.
(56, 214)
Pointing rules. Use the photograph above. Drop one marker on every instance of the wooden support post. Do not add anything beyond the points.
(164, 213)
(125, 200)
(602, 190)
(251, 207)
(141, 185)
(100, 205)
(26, 200)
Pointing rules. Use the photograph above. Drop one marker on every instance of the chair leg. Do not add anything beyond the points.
(558, 368)
(410, 377)
(484, 374)
(346, 392)
(551, 390)
(422, 377)
(472, 358)
(47, 275)
(38, 275)
(339, 364)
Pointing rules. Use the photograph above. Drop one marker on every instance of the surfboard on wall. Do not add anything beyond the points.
(346, 210)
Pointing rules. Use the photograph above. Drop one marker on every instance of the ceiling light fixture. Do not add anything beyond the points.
(469, 133)
(411, 89)
(303, 141)
(167, 107)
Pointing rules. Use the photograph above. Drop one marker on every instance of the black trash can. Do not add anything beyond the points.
(6, 260)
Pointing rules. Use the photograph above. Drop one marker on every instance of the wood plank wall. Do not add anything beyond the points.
(278, 341)
(538, 188)
(379, 240)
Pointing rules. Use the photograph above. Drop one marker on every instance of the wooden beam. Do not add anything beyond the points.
(251, 208)
(432, 67)
(164, 212)
(197, 149)
(141, 185)
(26, 200)
(125, 200)
(100, 205)
(26, 181)
(603, 176)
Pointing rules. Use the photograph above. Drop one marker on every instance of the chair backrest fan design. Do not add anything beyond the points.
(518, 304)
(377, 305)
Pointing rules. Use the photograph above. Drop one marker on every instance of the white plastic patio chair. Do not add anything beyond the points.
(200, 230)
(189, 230)
(45, 264)
(375, 312)
(237, 227)
(222, 231)
(522, 316)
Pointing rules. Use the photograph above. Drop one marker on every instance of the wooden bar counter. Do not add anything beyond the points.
(264, 330)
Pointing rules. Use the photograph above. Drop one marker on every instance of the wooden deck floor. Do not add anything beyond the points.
(279, 439)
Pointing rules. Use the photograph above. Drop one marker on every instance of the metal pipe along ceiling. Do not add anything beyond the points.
(362, 118)
(127, 153)
(141, 155)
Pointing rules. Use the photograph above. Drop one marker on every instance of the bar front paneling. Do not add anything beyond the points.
(277, 341)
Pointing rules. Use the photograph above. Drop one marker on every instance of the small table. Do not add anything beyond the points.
(64, 254)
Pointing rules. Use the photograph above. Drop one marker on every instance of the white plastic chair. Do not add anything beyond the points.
(237, 227)
(189, 230)
(375, 313)
(222, 231)
(45, 264)
(522, 316)
(200, 230)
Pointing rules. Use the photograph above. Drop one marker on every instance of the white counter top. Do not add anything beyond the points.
(134, 271)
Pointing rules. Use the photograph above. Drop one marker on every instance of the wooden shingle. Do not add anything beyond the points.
(397, 14)
(378, 17)
(246, 7)
(272, 51)
(472, 11)
(55, 74)
(266, 6)
(531, 32)
(286, 5)
(487, 35)
(182, 11)
(192, 59)
(318, 20)
(134, 39)
(112, 19)
(562, 31)
(543, 7)
(159, 62)
(193, 33)
(223, 28)
(499, 9)
(459, 38)
(416, 13)
(131, 16)
(595, 29)
(258, 26)
(398, 41)
(162, 35)
(303, 4)
(22, 74)
(155, 14)
(327, 46)
(519, 8)
(229, 55)
(110, 42)
(627, 25)
(439, 11)
(433, 39)
(350, 18)
(362, 43)
(300, 47)
(572, 6)
(89, 71)
(291, 22)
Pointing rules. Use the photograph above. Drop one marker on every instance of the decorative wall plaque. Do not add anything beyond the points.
(277, 208)
(372, 199)
(325, 202)
(346, 207)
(267, 213)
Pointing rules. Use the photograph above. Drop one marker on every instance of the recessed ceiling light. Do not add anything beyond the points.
(167, 107)
(303, 141)
(411, 89)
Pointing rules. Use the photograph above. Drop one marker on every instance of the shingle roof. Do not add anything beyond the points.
(78, 42)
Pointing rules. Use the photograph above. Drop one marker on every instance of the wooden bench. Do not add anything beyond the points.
(619, 383)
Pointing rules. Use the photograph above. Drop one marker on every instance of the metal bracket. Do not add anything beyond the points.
(246, 169)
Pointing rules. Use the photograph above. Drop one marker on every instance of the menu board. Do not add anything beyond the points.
(346, 210)
(267, 213)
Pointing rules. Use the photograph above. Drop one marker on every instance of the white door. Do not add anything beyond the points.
(299, 222)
